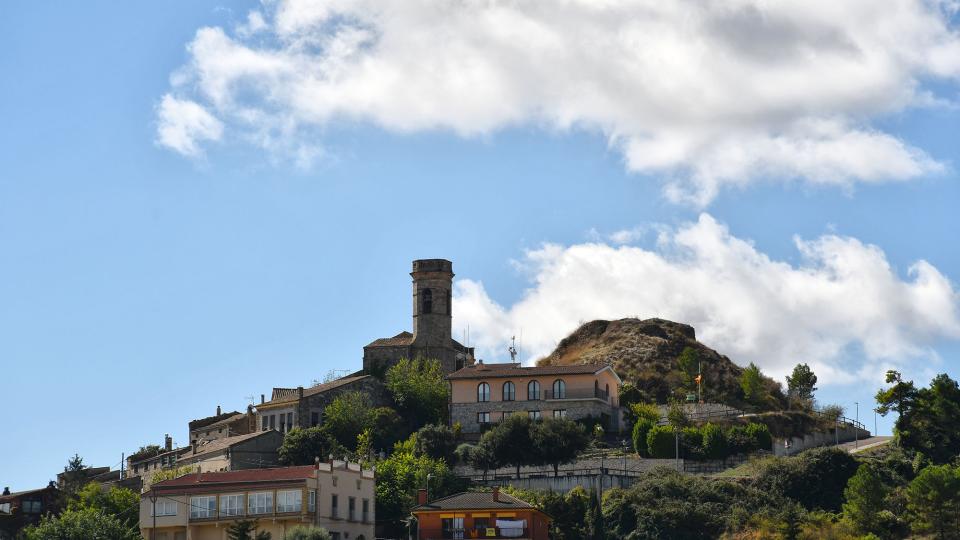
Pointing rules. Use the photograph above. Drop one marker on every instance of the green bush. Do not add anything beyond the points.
(714, 442)
(661, 443)
(691, 443)
(307, 532)
(640, 431)
(760, 436)
(816, 478)
(738, 441)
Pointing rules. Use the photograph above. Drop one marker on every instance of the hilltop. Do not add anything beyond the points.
(644, 353)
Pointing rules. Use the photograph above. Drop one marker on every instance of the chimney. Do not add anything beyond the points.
(261, 398)
(6, 491)
(496, 494)
(300, 392)
(167, 442)
(218, 410)
(421, 497)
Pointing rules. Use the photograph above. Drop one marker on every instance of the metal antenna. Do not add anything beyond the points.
(513, 349)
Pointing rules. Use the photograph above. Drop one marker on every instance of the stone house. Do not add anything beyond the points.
(303, 407)
(222, 425)
(335, 495)
(23, 508)
(485, 394)
(432, 324)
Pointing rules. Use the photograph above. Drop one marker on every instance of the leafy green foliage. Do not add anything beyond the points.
(865, 494)
(898, 397)
(435, 441)
(419, 390)
(82, 524)
(511, 441)
(557, 441)
(815, 479)
(930, 422)
(661, 442)
(307, 532)
(751, 382)
(347, 416)
(400, 476)
(301, 446)
(147, 451)
(934, 501)
(121, 503)
(714, 442)
(760, 436)
(802, 383)
(640, 430)
(246, 529)
(688, 363)
(386, 427)
(74, 476)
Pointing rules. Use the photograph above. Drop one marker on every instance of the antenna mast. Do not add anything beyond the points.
(513, 349)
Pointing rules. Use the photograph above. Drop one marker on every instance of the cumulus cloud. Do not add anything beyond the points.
(702, 94)
(842, 308)
(183, 124)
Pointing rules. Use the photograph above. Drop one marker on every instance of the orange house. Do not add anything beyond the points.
(484, 394)
(491, 515)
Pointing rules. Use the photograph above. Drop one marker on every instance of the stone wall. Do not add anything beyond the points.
(795, 445)
(371, 386)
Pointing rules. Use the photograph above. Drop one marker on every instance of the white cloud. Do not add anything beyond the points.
(842, 309)
(183, 124)
(704, 94)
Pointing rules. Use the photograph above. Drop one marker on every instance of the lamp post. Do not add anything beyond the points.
(856, 429)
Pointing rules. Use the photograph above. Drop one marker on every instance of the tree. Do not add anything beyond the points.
(934, 500)
(930, 422)
(246, 529)
(307, 532)
(689, 364)
(898, 397)
(481, 457)
(386, 427)
(661, 442)
(558, 441)
(84, 524)
(347, 416)
(435, 441)
(802, 382)
(74, 476)
(640, 430)
(419, 390)
(751, 382)
(121, 503)
(864, 496)
(301, 446)
(714, 442)
(511, 441)
(398, 479)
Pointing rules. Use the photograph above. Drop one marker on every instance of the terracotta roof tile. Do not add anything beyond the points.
(247, 475)
(474, 500)
(487, 371)
(289, 395)
(226, 442)
(402, 339)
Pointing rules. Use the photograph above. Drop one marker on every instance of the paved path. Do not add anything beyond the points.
(871, 442)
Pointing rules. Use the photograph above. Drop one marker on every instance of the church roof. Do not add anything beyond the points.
(400, 340)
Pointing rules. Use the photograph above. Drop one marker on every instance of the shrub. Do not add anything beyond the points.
(307, 532)
(438, 442)
(760, 436)
(714, 442)
(815, 479)
(691, 443)
(738, 441)
(661, 442)
(640, 431)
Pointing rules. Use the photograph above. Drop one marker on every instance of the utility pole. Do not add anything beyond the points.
(153, 501)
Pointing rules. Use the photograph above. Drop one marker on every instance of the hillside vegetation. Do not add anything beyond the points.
(646, 353)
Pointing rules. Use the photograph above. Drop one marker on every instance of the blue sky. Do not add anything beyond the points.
(141, 285)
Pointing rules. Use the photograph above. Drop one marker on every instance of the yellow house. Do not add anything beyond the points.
(338, 496)
(484, 394)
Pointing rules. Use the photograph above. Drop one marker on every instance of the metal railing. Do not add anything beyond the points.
(465, 534)
(595, 393)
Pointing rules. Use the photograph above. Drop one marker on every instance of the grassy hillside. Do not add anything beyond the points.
(645, 353)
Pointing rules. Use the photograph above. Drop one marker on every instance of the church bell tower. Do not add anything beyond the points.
(432, 313)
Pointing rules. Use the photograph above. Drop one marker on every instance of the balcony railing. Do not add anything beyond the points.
(595, 393)
(466, 534)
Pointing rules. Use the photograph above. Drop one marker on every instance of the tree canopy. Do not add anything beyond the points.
(929, 419)
(82, 524)
(419, 390)
(802, 383)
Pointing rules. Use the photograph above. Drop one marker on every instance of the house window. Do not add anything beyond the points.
(427, 296)
(483, 418)
(231, 505)
(260, 503)
(509, 391)
(560, 413)
(534, 415)
(273, 421)
(334, 481)
(289, 500)
(203, 507)
(483, 392)
(289, 420)
(5, 508)
(32, 507)
(266, 422)
(333, 505)
(351, 508)
(165, 507)
(314, 419)
(366, 510)
(533, 390)
(283, 428)
(358, 484)
(559, 389)
(312, 501)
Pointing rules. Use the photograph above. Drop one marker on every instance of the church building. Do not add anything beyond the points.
(432, 324)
